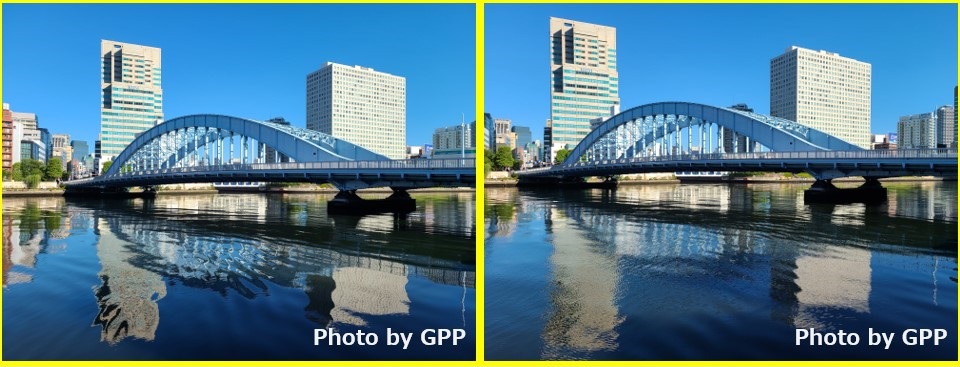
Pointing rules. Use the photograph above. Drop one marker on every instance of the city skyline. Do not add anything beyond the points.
(223, 65)
(722, 55)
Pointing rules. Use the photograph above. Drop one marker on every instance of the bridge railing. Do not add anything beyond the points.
(426, 164)
(804, 155)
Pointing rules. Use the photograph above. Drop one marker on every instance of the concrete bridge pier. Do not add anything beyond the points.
(575, 183)
(823, 191)
(610, 182)
(347, 202)
(110, 192)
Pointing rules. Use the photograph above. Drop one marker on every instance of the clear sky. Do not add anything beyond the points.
(720, 54)
(241, 60)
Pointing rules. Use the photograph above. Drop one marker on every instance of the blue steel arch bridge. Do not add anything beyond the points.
(685, 136)
(216, 148)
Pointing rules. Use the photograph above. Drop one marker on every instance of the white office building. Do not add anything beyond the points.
(917, 131)
(360, 105)
(823, 90)
(455, 141)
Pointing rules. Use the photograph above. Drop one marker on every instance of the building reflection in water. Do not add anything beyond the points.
(810, 258)
(27, 226)
(128, 295)
(584, 314)
(364, 292)
(353, 271)
(228, 246)
(838, 277)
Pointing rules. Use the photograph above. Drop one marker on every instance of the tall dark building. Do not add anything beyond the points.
(80, 149)
(732, 142)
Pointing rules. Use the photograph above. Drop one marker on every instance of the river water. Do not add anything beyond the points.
(233, 277)
(717, 272)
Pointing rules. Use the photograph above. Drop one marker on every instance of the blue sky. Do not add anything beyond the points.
(720, 54)
(241, 60)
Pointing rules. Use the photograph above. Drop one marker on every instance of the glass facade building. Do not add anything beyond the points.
(131, 99)
(584, 83)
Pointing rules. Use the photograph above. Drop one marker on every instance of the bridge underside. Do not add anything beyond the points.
(346, 201)
(824, 168)
(342, 181)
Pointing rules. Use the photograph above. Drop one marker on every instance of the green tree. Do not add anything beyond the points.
(562, 155)
(503, 158)
(106, 166)
(487, 161)
(53, 170)
(30, 167)
(17, 172)
(32, 181)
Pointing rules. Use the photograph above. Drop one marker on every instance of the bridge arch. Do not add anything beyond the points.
(171, 141)
(661, 122)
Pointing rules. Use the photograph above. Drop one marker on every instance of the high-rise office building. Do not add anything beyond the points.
(272, 154)
(584, 82)
(733, 142)
(502, 125)
(945, 133)
(359, 105)
(61, 148)
(28, 121)
(489, 132)
(917, 131)
(46, 140)
(504, 136)
(80, 150)
(8, 138)
(822, 90)
(524, 136)
(32, 149)
(131, 100)
(455, 141)
(955, 113)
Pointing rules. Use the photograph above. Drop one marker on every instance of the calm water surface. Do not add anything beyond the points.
(716, 272)
(235, 276)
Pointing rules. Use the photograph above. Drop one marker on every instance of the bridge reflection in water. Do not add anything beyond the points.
(656, 272)
(164, 258)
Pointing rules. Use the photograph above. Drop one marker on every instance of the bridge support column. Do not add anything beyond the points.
(823, 191)
(347, 202)
(609, 182)
(109, 192)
